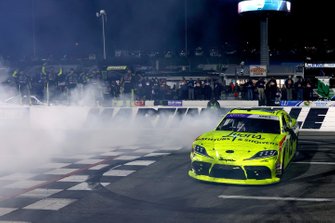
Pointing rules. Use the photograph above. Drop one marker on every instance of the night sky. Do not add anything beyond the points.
(70, 27)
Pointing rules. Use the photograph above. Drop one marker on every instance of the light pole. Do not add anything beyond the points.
(103, 16)
(33, 21)
(185, 27)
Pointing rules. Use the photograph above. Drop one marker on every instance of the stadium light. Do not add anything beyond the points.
(102, 13)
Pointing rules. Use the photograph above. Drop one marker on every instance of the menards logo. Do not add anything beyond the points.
(244, 135)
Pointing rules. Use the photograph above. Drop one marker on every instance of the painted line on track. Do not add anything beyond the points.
(315, 150)
(276, 198)
(316, 163)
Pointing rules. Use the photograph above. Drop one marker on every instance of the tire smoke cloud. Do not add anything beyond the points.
(33, 135)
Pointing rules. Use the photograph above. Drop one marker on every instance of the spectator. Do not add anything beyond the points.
(155, 89)
(37, 86)
(284, 93)
(140, 92)
(271, 91)
(183, 90)
(278, 97)
(299, 87)
(231, 88)
(126, 83)
(289, 85)
(217, 90)
(198, 90)
(237, 90)
(51, 85)
(23, 85)
(260, 85)
(249, 85)
(190, 88)
(115, 89)
(207, 90)
(61, 83)
(308, 90)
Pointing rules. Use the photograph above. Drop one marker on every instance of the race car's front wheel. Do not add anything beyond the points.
(280, 170)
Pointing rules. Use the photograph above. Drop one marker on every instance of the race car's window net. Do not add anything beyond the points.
(249, 125)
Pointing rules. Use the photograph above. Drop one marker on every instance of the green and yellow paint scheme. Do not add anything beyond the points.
(249, 146)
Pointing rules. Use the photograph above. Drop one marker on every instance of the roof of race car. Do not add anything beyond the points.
(258, 111)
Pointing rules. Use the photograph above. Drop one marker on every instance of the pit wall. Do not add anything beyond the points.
(64, 117)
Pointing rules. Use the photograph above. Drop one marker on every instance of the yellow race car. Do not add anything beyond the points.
(251, 146)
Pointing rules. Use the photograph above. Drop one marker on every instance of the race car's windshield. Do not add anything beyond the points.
(250, 123)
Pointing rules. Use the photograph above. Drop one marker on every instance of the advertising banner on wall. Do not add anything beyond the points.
(258, 70)
(319, 103)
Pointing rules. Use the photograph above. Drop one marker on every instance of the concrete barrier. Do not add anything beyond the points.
(63, 117)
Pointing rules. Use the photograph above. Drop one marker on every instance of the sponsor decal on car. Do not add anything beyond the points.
(244, 135)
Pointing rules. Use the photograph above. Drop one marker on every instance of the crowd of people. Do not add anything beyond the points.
(57, 85)
(270, 93)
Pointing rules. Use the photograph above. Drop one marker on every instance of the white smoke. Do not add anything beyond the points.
(33, 135)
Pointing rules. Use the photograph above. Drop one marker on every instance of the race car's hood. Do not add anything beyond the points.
(228, 145)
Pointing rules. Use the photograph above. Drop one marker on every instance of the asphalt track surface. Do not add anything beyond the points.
(157, 189)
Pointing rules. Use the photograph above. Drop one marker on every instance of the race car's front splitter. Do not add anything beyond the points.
(273, 180)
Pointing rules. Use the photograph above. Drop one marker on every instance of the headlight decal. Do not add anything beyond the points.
(200, 150)
(264, 154)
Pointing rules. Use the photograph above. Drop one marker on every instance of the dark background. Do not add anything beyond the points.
(70, 27)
